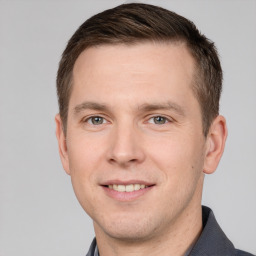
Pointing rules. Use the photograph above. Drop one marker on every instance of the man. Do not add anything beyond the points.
(139, 127)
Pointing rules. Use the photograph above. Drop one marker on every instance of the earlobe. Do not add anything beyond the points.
(62, 144)
(215, 144)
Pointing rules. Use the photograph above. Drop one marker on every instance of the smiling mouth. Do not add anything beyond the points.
(127, 188)
(126, 191)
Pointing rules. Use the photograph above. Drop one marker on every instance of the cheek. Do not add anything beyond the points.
(180, 163)
(178, 157)
(84, 153)
(84, 158)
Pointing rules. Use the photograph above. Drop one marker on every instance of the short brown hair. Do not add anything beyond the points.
(133, 23)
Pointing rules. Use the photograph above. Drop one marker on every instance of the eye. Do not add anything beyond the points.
(158, 120)
(96, 120)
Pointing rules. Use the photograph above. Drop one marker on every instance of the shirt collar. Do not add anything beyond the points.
(212, 240)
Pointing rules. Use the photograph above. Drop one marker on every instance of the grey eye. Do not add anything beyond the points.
(96, 120)
(158, 120)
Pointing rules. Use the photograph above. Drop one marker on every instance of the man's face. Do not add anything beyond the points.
(134, 124)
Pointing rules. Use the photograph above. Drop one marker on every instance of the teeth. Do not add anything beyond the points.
(127, 188)
(121, 188)
(136, 186)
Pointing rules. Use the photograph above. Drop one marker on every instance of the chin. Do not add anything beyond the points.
(130, 235)
(129, 230)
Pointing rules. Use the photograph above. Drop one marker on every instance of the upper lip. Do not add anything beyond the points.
(127, 182)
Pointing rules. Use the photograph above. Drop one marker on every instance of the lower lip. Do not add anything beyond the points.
(126, 196)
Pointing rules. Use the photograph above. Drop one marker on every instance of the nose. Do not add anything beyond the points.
(126, 147)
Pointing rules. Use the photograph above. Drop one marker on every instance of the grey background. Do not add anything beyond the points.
(39, 214)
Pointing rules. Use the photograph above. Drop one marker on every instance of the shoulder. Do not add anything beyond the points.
(243, 253)
(213, 241)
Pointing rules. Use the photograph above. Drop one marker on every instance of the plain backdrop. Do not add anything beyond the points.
(39, 214)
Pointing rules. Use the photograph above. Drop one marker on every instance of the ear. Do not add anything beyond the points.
(215, 144)
(62, 144)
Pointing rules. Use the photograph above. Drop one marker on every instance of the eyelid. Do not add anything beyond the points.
(168, 119)
(87, 118)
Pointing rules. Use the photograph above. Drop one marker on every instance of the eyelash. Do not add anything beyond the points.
(91, 117)
(166, 120)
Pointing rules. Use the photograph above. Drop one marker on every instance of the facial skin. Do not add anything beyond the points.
(149, 132)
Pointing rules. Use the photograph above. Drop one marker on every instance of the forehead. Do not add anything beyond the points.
(140, 70)
(150, 54)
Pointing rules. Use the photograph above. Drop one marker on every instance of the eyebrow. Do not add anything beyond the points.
(89, 105)
(162, 106)
(146, 107)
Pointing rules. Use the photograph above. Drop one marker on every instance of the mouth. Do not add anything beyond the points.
(127, 191)
(127, 188)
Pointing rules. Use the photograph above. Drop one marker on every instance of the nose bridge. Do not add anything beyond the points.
(125, 146)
